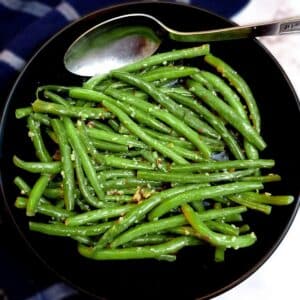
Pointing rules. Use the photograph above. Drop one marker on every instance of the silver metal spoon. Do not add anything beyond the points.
(131, 37)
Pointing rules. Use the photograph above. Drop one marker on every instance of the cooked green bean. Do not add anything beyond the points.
(98, 214)
(174, 122)
(169, 104)
(89, 197)
(214, 238)
(264, 178)
(163, 58)
(267, 198)
(45, 209)
(129, 141)
(228, 114)
(63, 230)
(146, 228)
(168, 72)
(37, 140)
(213, 120)
(52, 167)
(153, 251)
(23, 112)
(155, 138)
(69, 111)
(192, 178)
(107, 146)
(225, 90)
(139, 212)
(36, 193)
(242, 200)
(202, 193)
(224, 165)
(85, 160)
(138, 131)
(240, 84)
(66, 161)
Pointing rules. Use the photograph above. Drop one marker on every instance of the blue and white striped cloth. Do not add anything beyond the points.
(25, 25)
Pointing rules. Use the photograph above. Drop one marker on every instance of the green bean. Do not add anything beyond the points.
(23, 112)
(168, 72)
(221, 213)
(214, 238)
(267, 198)
(63, 230)
(192, 178)
(171, 106)
(37, 140)
(55, 98)
(139, 212)
(85, 160)
(22, 185)
(98, 214)
(265, 178)
(224, 165)
(116, 173)
(99, 125)
(148, 228)
(199, 77)
(138, 131)
(42, 118)
(46, 209)
(202, 193)
(36, 193)
(83, 240)
(164, 58)
(244, 228)
(128, 164)
(128, 183)
(25, 189)
(54, 193)
(153, 251)
(67, 165)
(170, 139)
(52, 167)
(151, 239)
(228, 94)
(186, 153)
(70, 111)
(129, 141)
(220, 253)
(174, 122)
(107, 146)
(118, 198)
(234, 101)
(242, 200)
(240, 84)
(82, 183)
(214, 121)
(143, 118)
(228, 114)
(223, 227)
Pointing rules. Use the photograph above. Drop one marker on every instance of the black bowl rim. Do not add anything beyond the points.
(5, 110)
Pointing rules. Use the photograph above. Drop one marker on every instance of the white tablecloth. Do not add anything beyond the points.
(278, 278)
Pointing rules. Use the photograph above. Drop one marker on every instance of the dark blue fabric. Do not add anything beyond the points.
(24, 27)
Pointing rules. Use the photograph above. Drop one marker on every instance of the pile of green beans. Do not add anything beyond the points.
(148, 159)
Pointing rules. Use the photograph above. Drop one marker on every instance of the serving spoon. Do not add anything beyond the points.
(128, 38)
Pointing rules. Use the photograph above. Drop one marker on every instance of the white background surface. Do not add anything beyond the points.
(279, 277)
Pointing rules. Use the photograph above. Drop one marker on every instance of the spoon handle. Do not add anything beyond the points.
(284, 26)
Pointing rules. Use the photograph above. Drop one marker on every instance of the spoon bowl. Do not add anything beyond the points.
(128, 38)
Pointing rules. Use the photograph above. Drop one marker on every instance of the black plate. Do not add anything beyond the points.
(194, 274)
